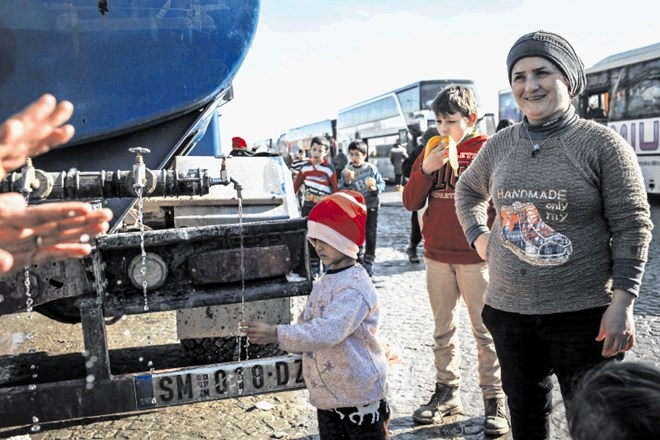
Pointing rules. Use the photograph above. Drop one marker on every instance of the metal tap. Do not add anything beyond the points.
(139, 169)
(28, 178)
(238, 187)
(225, 178)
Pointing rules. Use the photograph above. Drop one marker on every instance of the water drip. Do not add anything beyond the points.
(27, 283)
(243, 341)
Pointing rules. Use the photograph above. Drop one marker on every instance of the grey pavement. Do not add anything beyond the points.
(406, 323)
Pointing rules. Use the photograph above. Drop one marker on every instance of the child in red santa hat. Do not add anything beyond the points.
(344, 364)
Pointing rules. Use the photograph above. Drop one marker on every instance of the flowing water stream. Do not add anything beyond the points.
(246, 341)
(29, 302)
(143, 269)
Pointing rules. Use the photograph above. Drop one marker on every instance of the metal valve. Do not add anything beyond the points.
(225, 177)
(29, 178)
(139, 169)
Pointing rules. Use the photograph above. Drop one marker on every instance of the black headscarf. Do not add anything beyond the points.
(554, 48)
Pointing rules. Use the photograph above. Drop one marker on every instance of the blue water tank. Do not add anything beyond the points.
(125, 64)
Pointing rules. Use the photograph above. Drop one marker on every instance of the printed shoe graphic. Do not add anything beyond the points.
(527, 236)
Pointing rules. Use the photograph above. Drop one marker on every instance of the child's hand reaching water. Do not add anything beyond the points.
(258, 332)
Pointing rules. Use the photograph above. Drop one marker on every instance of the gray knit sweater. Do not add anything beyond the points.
(343, 362)
(564, 215)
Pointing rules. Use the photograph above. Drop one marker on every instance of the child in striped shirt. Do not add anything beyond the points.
(319, 179)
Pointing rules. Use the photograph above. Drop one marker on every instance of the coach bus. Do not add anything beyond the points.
(399, 116)
(301, 137)
(623, 92)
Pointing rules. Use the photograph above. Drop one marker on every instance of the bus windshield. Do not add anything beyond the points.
(623, 92)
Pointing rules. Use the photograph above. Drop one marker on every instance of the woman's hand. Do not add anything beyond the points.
(258, 332)
(45, 233)
(617, 327)
(34, 130)
(481, 244)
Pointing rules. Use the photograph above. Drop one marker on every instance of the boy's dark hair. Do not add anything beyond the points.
(321, 140)
(619, 400)
(359, 145)
(455, 98)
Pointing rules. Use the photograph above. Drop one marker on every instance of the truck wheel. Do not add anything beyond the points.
(207, 350)
(263, 351)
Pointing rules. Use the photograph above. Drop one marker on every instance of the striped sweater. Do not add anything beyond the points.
(319, 181)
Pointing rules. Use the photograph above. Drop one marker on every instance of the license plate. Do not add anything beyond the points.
(219, 381)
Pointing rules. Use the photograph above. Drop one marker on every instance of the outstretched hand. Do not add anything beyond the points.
(34, 130)
(45, 233)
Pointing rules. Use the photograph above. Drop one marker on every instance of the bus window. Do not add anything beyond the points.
(643, 88)
(597, 105)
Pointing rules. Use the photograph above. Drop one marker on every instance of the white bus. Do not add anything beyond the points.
(301, 137)
(623, 92)
(397, 116)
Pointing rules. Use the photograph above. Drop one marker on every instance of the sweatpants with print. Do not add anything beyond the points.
(365, 423)
(446, 285)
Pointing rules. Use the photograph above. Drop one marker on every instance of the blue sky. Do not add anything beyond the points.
(311, 58)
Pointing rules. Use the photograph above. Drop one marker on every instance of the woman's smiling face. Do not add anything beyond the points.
(540, 89)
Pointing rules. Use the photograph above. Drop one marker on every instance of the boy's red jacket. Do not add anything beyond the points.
(444, 240)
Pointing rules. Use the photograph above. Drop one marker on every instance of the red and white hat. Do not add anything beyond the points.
(238, 142)
(339, 220)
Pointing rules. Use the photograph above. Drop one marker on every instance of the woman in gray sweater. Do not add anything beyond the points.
(567, 251)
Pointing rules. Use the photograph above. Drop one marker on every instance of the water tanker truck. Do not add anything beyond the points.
(211, 238)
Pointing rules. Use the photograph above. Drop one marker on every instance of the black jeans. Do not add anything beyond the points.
(370, 230)
(352, 424)
(533, 347)
(415, 231)
(313, 256)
